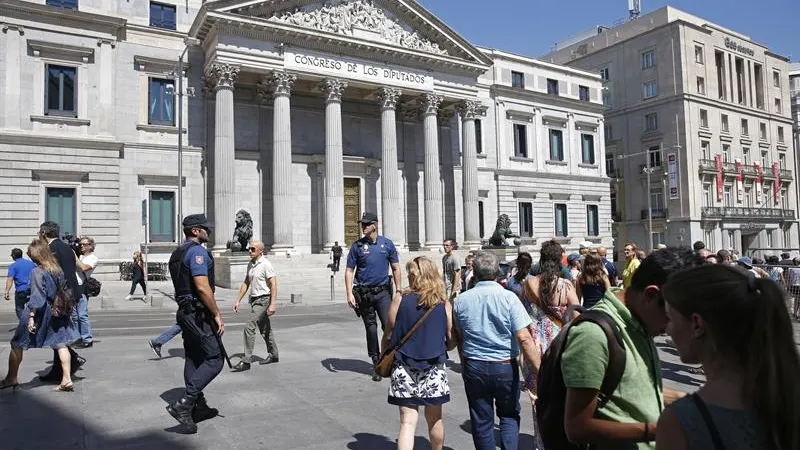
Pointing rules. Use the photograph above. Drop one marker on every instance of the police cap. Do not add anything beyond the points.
(196, 221)
(369, 217)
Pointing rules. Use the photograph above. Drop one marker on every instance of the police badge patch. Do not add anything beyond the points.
(198, 259)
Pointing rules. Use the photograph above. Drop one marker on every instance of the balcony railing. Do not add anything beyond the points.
(709, 166)
(731, 212)
(658, 213)
(656, 169)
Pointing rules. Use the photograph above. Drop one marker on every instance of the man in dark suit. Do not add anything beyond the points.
(65, 257)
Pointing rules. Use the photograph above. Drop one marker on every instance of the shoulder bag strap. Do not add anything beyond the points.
(416, 326)
(712, 429)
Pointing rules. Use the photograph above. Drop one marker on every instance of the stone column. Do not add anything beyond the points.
(334, 165)
(433, 186)
(737, 240)
(223, 76)
(105, 85)
(469, 110)
(391, 205)
(10, 109)
(282, 201)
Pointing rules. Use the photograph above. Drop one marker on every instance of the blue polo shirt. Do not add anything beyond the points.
(372, 260)
(20, 272)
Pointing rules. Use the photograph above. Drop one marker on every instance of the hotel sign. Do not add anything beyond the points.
(733, 45)
(358, 70)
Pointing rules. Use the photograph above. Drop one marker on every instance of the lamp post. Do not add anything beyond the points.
(649, 171)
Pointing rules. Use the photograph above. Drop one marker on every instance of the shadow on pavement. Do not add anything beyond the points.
(347, 365)
(368, 441)
(25, 414)
(670, 372)
(525, 440)
(453, 366)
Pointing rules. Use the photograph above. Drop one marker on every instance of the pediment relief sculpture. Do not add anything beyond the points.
(347, 16)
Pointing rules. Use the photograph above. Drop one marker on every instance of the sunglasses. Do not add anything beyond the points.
(252, 249)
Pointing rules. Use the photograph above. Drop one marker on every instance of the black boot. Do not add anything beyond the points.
(202, 411)
(182, 412)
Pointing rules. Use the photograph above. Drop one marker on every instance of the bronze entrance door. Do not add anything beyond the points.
(352, 211)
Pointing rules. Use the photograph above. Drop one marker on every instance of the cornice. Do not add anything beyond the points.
(545, 175)
(40, 13)
(59, 141)
(546, 99)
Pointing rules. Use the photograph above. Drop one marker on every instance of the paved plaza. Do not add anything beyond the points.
(319, 396)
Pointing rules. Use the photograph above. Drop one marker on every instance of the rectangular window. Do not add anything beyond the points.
(520, 140)
(769, 238)
(722, 88)
(699, 58)
(608, 130)
(776, 78)
(61, 96)
(656, 199)
(650, 89)
(583, 93)
(764, 159)
(703, 118)
(784, 199)
(741, 88)
(727, 196)
(552, 86)
(161, 104)
(782, 160)
(517, 79)
(481, 229)
(726, 152)
(780, 134)
(587, 148)
(604, 74)
(759, 76)
(610, 167)
(705, 147)
(70, 4)
(561, 220)
(526, 219)
(724, 122)
(745, 128)
(592, 221)
(606, 97)
(708, 198)
(746, 155)
(762, 131)
(648, 59)
(654, 156)
(556, 145)
(778, 106)
(651, 122)
(162, 16)
(162, 216)
(701, 85)
(61, 208)
(478, 136)
(748, 200)
(658, 238)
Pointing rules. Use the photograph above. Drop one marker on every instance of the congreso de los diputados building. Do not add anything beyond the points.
(303, 114)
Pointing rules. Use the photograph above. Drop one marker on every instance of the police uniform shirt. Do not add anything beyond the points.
(258, 274)
(372, 260)
(197, 260)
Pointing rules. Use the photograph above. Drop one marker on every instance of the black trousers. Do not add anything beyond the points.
(203, 355)
(140, 281)
(369, 305)
(336, 260)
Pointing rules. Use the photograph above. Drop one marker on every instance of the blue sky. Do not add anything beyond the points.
(531, 27)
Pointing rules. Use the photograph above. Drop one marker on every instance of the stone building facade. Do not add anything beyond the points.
(303, 114)
(706, 110)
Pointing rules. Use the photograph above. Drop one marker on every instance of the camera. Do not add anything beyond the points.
(73, 242)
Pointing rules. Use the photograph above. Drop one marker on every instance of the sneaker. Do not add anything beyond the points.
(376, 377)
(156, 348)
(128, 297)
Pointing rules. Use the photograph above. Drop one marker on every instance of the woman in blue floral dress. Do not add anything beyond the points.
(39, 327)
(419, 377)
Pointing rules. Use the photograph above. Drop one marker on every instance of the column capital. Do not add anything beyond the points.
(444, 116)
(430, 103)
(470, 109)
(387, 97)
(110, 42)
(10, 26)
(333, 88)
(282, 83)
(222, 76)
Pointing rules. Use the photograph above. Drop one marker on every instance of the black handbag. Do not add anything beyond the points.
(93, 287)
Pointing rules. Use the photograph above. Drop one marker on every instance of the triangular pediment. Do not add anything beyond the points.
(401, 23)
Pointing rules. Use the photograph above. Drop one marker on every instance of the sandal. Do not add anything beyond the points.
(65, 388)
(5, 384)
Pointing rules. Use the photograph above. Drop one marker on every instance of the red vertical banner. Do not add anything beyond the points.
(759, 185)
(776, 172)
(720, 179)
(739, 181)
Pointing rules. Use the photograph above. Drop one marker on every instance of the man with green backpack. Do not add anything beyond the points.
(600, 379)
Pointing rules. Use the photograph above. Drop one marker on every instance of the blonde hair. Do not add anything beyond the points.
(424, 279)
(40, 253)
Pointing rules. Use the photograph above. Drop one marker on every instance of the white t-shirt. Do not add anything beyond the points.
(257, 274)
(90, 260)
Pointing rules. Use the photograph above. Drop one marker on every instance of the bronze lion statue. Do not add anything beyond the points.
(502, 231)
(242, 233)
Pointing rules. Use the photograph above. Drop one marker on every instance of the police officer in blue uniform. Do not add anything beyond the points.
(370, 258)
(192, 271)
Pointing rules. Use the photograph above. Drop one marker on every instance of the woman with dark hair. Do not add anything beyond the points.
(40, 325)
(522, 271)
(592, 283)
(738, 328)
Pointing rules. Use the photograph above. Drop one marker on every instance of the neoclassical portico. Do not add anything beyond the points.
(281, 52)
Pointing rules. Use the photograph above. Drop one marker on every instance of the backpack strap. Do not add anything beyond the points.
(712, 429)
(616, 353)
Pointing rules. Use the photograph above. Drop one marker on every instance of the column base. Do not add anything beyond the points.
(470, 245)
(282, 250)
(432, 247)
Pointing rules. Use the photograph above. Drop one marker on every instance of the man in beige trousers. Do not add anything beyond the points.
(260, 280)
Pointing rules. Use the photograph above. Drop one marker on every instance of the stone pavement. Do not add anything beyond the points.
(319, 396)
